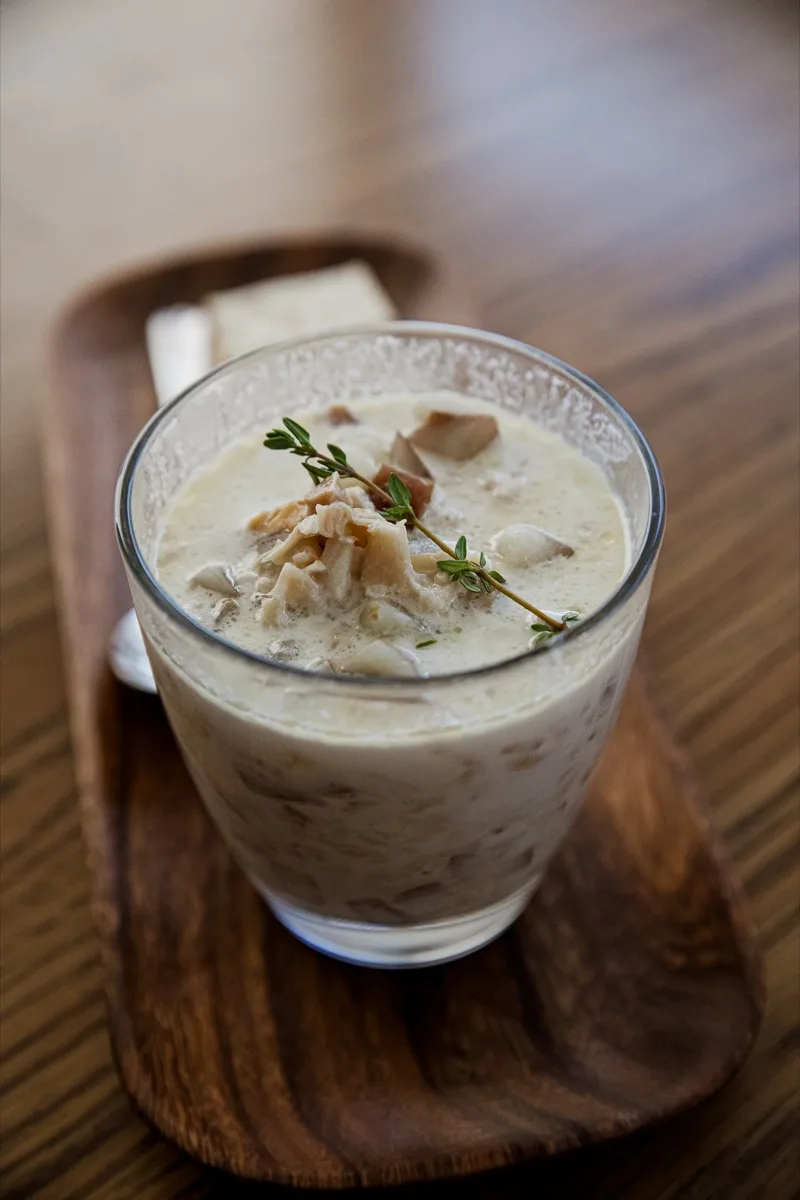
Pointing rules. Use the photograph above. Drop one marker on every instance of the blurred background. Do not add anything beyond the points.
(614, 181)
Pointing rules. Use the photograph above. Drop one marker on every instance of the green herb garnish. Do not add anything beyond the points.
(471, 574)
(401, 510)
(543, 633)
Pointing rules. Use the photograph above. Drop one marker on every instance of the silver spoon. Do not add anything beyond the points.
(127, 655)
(179, 348)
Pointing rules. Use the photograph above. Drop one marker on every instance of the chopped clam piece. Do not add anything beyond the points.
(387, 569)
(264, 563)
(379, 658)
(336, 490)
(404, 456)
(223, 608)
(528, 546)
(328, 491)
(306, 555)
(387, 620)
(340, 558)
(421, 489)
(295, 591)
(455, 435)
(426, 564)
(338, 555)
(278, 520)
(264, 543)
(301, 538)
(216, 578)
(334, 520)
(339, 414)
(287, 517)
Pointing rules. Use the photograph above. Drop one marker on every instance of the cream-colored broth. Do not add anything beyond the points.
(525, 476)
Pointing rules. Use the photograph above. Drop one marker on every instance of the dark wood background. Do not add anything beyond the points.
(618, 181)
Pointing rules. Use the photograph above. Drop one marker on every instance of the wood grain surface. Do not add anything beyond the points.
(618, 180)
(631, 988)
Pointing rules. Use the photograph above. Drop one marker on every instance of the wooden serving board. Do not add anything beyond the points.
(630, 989)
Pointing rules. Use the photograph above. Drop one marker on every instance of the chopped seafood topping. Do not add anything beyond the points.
(340, 554)
(330, 570)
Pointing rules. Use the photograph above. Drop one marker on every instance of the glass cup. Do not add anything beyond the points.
(390, 822)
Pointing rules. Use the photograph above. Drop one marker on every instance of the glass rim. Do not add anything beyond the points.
(628, 585)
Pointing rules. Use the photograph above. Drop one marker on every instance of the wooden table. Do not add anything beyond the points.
(618, 179)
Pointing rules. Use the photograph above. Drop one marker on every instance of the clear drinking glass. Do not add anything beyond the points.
(390, 822)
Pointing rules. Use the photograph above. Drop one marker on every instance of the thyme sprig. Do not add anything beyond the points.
(472, 574)
(543, 633)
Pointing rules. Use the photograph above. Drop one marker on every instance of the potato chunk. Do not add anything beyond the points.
(378, 658)
(528, 546)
